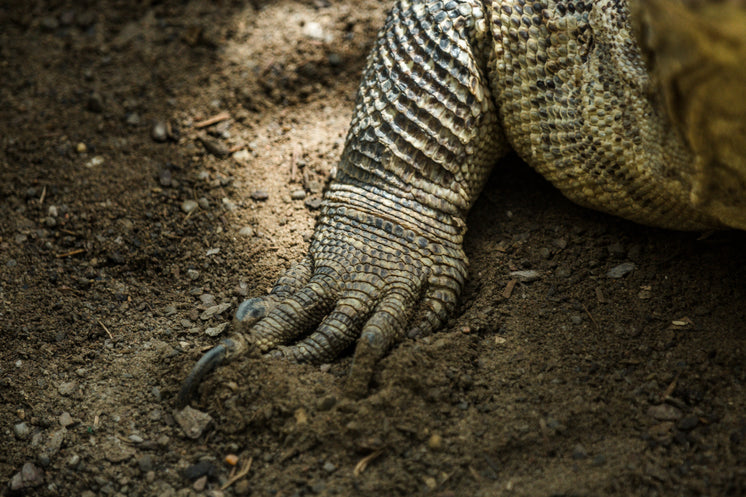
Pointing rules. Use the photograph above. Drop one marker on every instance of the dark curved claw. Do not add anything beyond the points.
(212, 358)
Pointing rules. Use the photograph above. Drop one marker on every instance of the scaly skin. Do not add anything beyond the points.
(578, 90)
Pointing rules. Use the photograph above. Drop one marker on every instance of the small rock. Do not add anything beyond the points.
(95, 161)
(200, 483)
(66, 420)
(313, 203)
(30, 476)
(216, 330)
(67, 388)
(329, 467)
(242, 155)
(435, 442)
(73, 461)
(215, 310)
(314, 31)
(216, 148)
(145, 463)
(165, 177)
(133, 119)
(159, 131)
(54, 443)
(189, 205)
(137, 439)
(21, 431)
(207, 299)
(298, 194)
(621, 270)
(525, 276)
(212, 251)
(326, 403)
(193, 274)
(192, 422)
(198, 470)
(260, 195)
(576, 319)
(204, 202)
(664, 412)
(246, 231)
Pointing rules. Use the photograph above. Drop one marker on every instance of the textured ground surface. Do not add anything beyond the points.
(574, 383)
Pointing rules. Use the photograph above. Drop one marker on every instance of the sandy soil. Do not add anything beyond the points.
(574, 383)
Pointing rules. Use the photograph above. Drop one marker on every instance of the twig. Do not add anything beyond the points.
(244, 471)
(71, 253)
(106, 329)
(363, 463)
(212, 120)
(43, 194)
(591, 316)
(509, 288)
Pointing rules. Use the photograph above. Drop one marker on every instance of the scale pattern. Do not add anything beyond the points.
(449, 88)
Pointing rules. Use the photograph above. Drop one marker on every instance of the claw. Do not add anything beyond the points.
(212, 358)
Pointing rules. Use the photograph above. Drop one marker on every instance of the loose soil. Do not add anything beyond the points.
(572, 383)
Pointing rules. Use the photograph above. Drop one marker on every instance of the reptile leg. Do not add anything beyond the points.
(386, 255)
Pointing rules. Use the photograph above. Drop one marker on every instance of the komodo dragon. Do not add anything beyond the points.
(634, 108)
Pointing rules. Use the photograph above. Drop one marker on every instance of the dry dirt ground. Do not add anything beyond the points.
(129, 228)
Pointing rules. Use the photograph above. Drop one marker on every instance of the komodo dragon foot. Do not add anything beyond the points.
(634, 108)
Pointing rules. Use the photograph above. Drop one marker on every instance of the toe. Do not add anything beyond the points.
(383, 329)
(294, 316)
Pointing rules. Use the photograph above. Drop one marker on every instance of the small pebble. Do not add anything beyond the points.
(66, 388)
(133, 119)
(198, 470)
(193, 423)
(215, 310)
(313, 203)
(525, 276)
(298, 194)
(664, 412)
(329, 467)
(435, 442)
(216, 330)
(200, 483)
(145, 463)
(193, 274)
(259, 195)
(231, 459)
(326, 403)
(73, 460)
(137, 439)
(189, 205)
(81, 148)
(216, 148)
(246, 231)
(621, 270)
(30, 476)
(576, 319)
(204, 202)
(21, 431)
(94, 162)
(66, 420)
(207, 299)
(159, 131)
